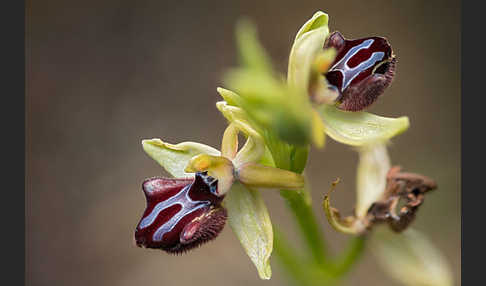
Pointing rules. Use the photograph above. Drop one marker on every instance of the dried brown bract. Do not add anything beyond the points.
(397, 206)
(409, 187)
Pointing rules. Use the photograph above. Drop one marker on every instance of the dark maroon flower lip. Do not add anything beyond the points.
(181, 214)
(362, 70)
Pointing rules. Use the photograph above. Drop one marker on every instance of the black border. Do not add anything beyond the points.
(473, 203)
(15, 62)
(12, 209)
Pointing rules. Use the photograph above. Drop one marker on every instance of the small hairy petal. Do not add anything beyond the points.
(362, 70)
(181, 214)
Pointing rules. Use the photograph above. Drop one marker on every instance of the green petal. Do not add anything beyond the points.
(360, 128)
(230, 97)
(174, 158)
(260, 176)
(218, 167)
(373, 167)
(249, 219)
(254, 147)
(229, 144)
(319, 19)
(318, 134)
(263, 93)
(411, 258)
(308, 42)
(251, 53)
(231, 113)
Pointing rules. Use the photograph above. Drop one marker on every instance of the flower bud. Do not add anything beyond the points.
(181, 214)
(362, 70)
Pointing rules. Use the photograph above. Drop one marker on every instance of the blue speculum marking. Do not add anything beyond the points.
(187, 206)
(349, 73)
(174, 204)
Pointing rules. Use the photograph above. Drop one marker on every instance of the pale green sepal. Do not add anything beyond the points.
(374, 164)
(265, 96)
(254, 147)
(319, 91)
(231, 113)
(174, 158)
(230, 97)
(308, 42)
(271, 104)
(318, 20)
(360, 128)
(411, 258)
(252, 54)
(249, 219)
(229, 144)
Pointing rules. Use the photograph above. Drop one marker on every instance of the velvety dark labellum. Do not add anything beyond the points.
(181, 213)
(362, 70)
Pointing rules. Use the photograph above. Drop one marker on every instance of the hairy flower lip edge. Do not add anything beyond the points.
(203, 222)
(366, 91)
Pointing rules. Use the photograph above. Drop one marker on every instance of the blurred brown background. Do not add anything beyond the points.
(105, 74)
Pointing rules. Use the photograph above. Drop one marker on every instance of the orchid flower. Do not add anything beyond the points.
(209, 187)
(329, 81)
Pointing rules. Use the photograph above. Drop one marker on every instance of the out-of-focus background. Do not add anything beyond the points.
(103, 75)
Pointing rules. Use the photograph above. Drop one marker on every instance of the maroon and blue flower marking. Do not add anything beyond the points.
(181, 214)
(361, 71)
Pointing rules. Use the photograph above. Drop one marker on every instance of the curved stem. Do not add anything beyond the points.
(302, 271)
(290, 261)
(294, 159)
(307, 223)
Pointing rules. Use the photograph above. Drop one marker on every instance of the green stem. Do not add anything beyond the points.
(348, 258)
(321, 270)
(290, 261)
(307, 223)
(294, 159)
(302, 271)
